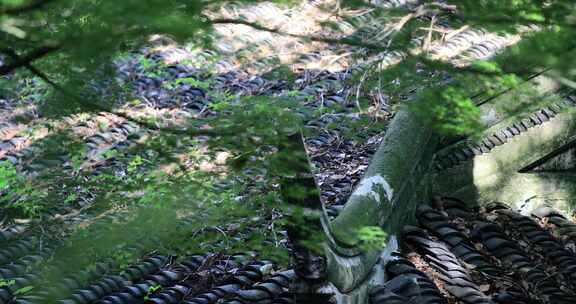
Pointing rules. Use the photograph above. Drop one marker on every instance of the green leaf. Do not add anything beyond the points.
(486, 66)
(6, 283)
(372, 238)
(23, 290)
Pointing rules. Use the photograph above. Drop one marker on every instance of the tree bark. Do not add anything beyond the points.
(299, 191)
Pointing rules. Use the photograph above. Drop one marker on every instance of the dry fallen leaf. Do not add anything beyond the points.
(491, 217)
(478, 246)
(571, 246)
(469, 266)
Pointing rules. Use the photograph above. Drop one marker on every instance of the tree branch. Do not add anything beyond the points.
(19, 62)
(345, 41)
(417, 12)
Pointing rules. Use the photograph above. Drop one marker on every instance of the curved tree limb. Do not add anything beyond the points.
(385, 197)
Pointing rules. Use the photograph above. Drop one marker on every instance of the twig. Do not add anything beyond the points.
(456, 32)
(390, 31)
(345, 41)
(358, 91)
(428, 40)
